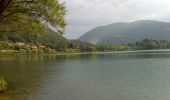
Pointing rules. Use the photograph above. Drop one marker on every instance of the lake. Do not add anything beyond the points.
(111, 76)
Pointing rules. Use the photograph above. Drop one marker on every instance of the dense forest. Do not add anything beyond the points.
(146, 44)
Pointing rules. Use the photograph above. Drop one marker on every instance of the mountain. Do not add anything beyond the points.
(123, 33)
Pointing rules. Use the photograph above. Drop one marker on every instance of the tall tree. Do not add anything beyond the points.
(31, 16)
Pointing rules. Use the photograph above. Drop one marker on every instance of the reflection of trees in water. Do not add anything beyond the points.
(3, 84)
(25, 74)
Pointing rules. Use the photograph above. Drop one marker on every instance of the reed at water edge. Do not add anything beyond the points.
(3, 84)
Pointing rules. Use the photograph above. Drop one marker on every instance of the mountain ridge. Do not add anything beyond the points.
(128, 32)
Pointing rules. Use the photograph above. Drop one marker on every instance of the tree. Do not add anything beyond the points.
(31, 16)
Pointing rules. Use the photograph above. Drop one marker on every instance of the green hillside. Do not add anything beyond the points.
(123, 33)
(51, 39)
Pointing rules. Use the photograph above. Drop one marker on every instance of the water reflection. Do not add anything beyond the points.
(26, 73)
(85, 77)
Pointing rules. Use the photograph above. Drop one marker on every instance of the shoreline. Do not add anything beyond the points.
(119, 52)
(84, 53)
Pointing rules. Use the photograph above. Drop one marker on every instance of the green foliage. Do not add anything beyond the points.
(3, 84)
(145, 44)
(51, 40)
(48, 50)
(113, 47)
(28, 16)
(87, 48)
(22, 51)
(40, 51)
(34, 51)
(49, 45)
(1, 47)
(71, 45)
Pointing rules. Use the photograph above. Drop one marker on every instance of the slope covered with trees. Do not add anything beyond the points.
(51, 39)
(123, 33)
(146, 44)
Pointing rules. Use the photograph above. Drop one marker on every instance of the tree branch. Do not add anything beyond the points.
(3, 6)
(24, 1)
(3, 17)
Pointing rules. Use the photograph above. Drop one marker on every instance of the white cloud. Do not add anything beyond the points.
(84, 15)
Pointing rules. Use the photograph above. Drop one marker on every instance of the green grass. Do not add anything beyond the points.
(3, 84)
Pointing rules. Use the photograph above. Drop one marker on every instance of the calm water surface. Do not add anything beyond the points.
(87, 77)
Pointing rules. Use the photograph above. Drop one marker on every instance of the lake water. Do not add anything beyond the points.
(131, 76)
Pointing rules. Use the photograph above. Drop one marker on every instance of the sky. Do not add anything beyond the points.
(84, 15)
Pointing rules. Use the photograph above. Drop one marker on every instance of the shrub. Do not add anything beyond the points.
(28, 50)
(34, 50)
(3, 84)
(40, 51)
(1, 47)
(22, 51)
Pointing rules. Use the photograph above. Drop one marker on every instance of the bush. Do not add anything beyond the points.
(22, 51)
(40, 51)
(1, 47)
(3, 84)
(34, 50)
(28, 50)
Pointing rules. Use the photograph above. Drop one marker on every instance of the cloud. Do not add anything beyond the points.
(84, 15)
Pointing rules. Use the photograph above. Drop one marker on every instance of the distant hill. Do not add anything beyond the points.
(123, 33)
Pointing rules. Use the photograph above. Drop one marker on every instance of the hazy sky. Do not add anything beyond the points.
(84, 15)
